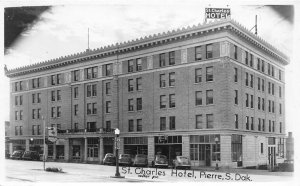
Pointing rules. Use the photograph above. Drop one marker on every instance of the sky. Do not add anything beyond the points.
(63, 30)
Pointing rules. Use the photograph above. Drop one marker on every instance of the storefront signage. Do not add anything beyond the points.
(217, 13)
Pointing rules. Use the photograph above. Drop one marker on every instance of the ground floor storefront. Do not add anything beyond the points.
(224, 150)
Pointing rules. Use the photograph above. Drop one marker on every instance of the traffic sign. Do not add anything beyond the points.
(52, 132)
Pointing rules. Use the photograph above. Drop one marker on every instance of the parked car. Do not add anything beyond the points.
(31, 155)
(109, 159)
(286, 166)
(160, 161)
(125, 159)
(17, 155)
(181, 162)
(7, 155)
(140, 160)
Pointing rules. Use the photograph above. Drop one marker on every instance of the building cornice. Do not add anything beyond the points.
(150, 42)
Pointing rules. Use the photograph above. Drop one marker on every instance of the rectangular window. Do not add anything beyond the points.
(94, 108)
(270, 127)
(130, 125)
(107, 88)
(235, 75)
(92, 72)
(247, 100)
(139, 104)
(263, 124)
(88, 90)
(76, 75)
(16, 130)
(52, 79)
(21, 85)
(251, 60)
(58, 111)
(263, 104)
(269, 69)
(163, 101)
(52, 96)
(172, 79)
(162, 60)
(247, 79)
(162, 80)
(198, 97)
(130, 85)
(252, 123)
(53, 112)
(236, 148)
(263, 66)
(279, 75)
(33, 113)
(89, 109)
(236, 121)
(58, 78)
(16, 86)
(209, 74)
(272, 71)
(172, 58)
(138, 64)
(209, 51)
(280, 127)
(76, 109)
(91, 127)
(273, 126)
(247, 122)
(38, 98)
(130, 104)
(33, 83)
(280, 91)
(76, 127)
(38, 129)
(76, 93)
(251, 101)
(198, 53)
(236, 99)
(258, 64)
(273, 89)
(130, 65)
(273, 107)
(172, 123)
(258, 83)
(198, 75)
(262, 85)
(21, 100)
(21, 130)
(258, 103)
(108, 69)
(235, 52)
(261, 148)
(209, 97)
(209, 121)
(163, 123)
(38, 113)
(139, 84)
(172, 101)
(108, 124)
(58, 95)
(33, 129)
(16, 100)
(33, 98)
(199, 122)
(21, 114)
(259, 124)
(269, 105)
(251, 80)
(280, 108)
(94, 90)
(246, 57)
(16, 115)
(139, 125)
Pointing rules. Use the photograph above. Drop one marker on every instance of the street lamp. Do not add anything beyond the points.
(117, 146)
(217, 141)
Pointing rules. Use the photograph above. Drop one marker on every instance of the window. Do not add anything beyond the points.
(21, 130)
(130, 104)
(262, 85)
(33, 113)
(209, 121)
(172, 79)
(172, 123)
(263, 103)
(108, 69)
(58, 111)
(130, 85)
(172, 58)
(76, 127)
(130, 65)
(76, 109)
(16, 130)
(91, 72)
(263, 124)
(21, 114)
(76, 75)
(273, 126)
(38, 113)
(58, 95)
(270, 126)
(38, 129)
(279, 92)
(209, 74)
(172, 101)
(261, 148)
(163, 123)
(235, 52)
(107, 88)
(263, 66)
(199, 120)
(162, 60)
(16, 100)
(259, 124)
(58, 79)
(53, 112)
(38, 98)
(130, 125)
(251, 101)
(236, 148)
(16, 115)
(236, 121)
(16, 86)
(269, 69)
(33, 83)
(258, 83)
(269, 105)
(216, 152)
(251, 80)
(280, 108)
(91, 90)
(163, 101)
(273, 107)
(236, 94)
(91, 127)
(247, 100)
(94, 90)
(279, 75)
(272, 71)
(76, 93)
(139, 125)
(209, 97)
(258, 64)
(89, 109)
(247, 122)
(252, 123)
(235, 75)
(162, 81)
(280, 127)
(139, 84)
(251, 60)
(33, 129)
(198, 97)
(139, 64)
(52, 96)
(94, 108)
(139, 104)
(33, 98)
(108, 124)
(209, 51)
(247, 79)
(273, 89)
(246, 57)
(258, 103)
(198, 53)
(198, 75)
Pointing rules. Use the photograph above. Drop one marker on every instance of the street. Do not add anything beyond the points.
(32, 171)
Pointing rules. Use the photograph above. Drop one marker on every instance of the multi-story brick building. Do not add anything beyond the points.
(212, 92)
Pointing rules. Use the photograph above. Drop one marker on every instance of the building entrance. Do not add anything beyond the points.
(170, 146)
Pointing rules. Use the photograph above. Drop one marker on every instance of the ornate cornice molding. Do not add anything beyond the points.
(149, 42)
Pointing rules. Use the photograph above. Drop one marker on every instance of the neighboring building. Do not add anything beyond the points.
(213, 92)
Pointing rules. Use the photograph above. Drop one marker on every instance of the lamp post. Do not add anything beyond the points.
(217, 141)
(117, 146)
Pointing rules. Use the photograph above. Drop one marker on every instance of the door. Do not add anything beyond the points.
(207, 155)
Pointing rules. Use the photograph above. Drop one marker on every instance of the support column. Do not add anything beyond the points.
(151, 149)
(67, 149)
(186, 146)
(225, 150)
(121, 150)
(54, 151)
(27, 145)
(85, 150)
(46, 151)
(11, 148)
(101, 150)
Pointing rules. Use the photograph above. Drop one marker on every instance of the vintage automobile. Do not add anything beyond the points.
(125, 159)
(160, 161)
(17, 155)
(140, 160)
(181, 162)
(31, 155)
(109, 159)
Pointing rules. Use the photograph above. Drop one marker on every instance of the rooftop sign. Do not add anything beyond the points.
(217, 13)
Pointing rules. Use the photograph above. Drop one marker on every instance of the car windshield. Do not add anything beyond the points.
(125, 156)
(17, 152)
(161, 158)
(183, 159)
(109, 155)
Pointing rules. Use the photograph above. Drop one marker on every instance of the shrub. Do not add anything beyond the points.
(53, 169)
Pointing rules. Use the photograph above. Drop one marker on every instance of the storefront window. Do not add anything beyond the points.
(236, 148)
(93, 147)
(216, 152)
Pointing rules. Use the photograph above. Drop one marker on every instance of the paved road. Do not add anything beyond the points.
(32, 172)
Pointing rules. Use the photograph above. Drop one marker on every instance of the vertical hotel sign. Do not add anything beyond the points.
(217, 13)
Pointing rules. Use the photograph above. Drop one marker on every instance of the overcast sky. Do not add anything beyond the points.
(63, 30)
